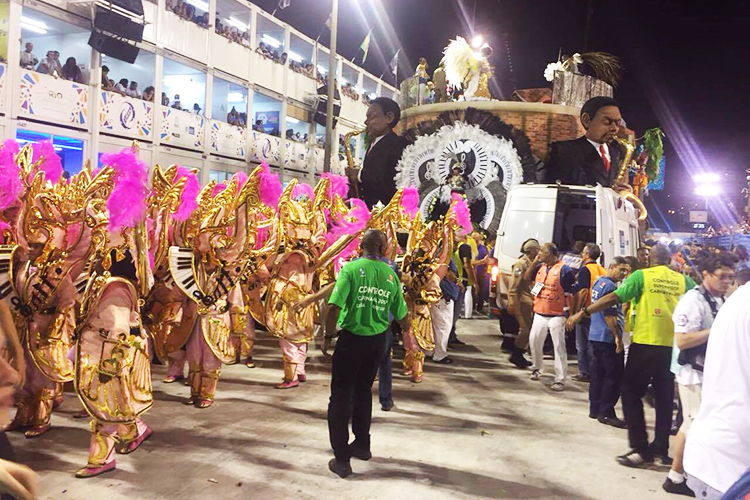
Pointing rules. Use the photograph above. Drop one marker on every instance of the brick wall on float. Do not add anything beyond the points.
(542, 128)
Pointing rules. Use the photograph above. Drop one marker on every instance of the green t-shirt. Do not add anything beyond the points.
(655, 292)
(366, 291)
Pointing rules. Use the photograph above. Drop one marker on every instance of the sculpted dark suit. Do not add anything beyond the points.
(379, 169)
(578, 162)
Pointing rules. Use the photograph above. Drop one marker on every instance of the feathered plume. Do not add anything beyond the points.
(303, 189)
(461, 209)
(51, 164)
(127, 203)
(459, 60)
(339, 185)
(410, 200)
(270, 187)
(189, 199)
(11, 187)
(241, 179)
(218, 189)
(606, 67)
(354, 221)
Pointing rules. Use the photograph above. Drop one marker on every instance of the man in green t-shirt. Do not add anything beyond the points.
(366, 291)
(655, 292)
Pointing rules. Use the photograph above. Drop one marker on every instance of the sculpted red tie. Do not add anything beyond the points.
(604, 157)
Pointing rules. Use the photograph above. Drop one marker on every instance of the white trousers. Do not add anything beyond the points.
(442, 322)
(556, 326)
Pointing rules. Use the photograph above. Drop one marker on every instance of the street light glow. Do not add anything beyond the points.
(477, 41)
(706, 178)
(708, 190)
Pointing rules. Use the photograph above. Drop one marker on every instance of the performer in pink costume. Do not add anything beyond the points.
(38, 274)
(113, 371)
(304, 254)
(170, 316)
(221, 232)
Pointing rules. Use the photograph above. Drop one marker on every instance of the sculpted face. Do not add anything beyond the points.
(603, 126)
(377, 122)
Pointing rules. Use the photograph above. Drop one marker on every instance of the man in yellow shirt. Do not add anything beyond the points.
(655, 293)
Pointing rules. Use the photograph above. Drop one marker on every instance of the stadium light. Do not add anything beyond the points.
(708, 190)
(477, 41)
(707, 178)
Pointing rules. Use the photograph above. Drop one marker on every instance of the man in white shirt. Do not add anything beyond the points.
(28, 59)
(717, 452)
(122, 86)
(693, 318)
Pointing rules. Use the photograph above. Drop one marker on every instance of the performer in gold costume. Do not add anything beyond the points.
(429, 248)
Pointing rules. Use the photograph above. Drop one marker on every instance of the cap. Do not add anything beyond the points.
(529, 244)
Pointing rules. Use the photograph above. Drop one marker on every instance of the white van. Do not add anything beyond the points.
(562, 215)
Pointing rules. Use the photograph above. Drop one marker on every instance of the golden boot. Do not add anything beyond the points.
(290, 375)
(209, 382)
(194, 380)
(24, 414)
(418, 365)
(408, 356)
(101, 450)
(42, 411)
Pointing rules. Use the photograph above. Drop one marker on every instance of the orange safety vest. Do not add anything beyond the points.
(550, 301)
(596, 272)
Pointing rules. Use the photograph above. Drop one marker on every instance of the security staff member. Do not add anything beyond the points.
(553, 281)
(521, 302)
(655, 293)
(588, 274)
(366, 291)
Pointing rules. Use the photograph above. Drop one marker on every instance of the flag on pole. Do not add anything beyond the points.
(328, 21)
(394, 62)
(365, 46)
(283, 4)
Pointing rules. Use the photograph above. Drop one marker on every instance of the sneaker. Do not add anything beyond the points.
(612, 421)
(677, 488)
(580, 377)
(517, 359)
(557, 387)
(340, 468)
(445, 361)
(360, 452)
(635, 459)
(535, 375)
(387, 406)
(663, 459)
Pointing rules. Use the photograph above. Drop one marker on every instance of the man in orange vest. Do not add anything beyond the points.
(588, 274)
(553, 280)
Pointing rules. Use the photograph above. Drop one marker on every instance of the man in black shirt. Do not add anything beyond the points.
(467, 277)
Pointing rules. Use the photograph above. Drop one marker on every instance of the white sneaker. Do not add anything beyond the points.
(535, 375)
(558, 386)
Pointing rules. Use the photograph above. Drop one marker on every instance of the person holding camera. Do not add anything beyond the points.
(693, 317)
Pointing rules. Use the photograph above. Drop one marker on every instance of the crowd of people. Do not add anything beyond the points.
(50, 64)
(348, 90)
(642, 328)
(187, 12)
(307, 69)
(232, 33)
(271, 53)
(296, 136)
(236, 118)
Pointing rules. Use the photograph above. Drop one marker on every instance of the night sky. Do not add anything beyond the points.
(686, 66)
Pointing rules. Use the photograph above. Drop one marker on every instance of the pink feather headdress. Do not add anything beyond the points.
(356, 220)
(127, 203)
(270, 187)
(339, 185)
(461, 209)
(189, 199)
(410, 200)
(51, 164)
(303, 189)
(219, 188)
(11, 187)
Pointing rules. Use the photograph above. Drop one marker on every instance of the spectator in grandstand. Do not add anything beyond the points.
(164, 99)
(176, 102)
(49, 66)
(71, 71)
(105, 78)
(743, 261)
(258, 127)
(122, 86)
(133, 90)
(148, 94)
(196, 109)
(28, 59)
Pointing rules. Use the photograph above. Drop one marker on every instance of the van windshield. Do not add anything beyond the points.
(575, 219)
